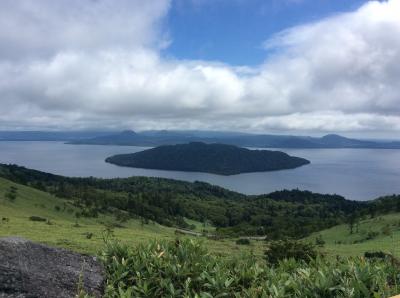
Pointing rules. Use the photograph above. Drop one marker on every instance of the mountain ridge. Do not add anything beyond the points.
(164, 137)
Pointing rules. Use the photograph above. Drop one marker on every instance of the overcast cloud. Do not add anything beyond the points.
(97, 64)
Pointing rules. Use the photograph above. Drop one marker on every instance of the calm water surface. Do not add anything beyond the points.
(358, 174)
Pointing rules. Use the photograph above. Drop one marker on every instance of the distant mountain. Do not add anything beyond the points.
(147, 138)
(49, 135)
(164, 137)
(124, 138)
(210, 158)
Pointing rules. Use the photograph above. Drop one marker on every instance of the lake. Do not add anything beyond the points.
(358, 174)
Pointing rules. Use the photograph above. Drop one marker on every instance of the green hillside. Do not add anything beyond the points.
(381, 233)
(214, 268)
(63, 229)
(280, 214)
(76, 213)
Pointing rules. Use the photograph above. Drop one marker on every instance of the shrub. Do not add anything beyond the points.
(122, 216)
(37, 218)
(11, 194)
(89, 235)
(372, 235)
(375, 255)
(319, 241)
(290, 249)
(108, 231)
(186, 269)
(386, 230)
(243, 241)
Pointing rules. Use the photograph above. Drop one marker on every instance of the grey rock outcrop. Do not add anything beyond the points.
(33, 270)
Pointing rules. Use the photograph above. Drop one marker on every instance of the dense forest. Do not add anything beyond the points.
(292, 213)
(210, 158)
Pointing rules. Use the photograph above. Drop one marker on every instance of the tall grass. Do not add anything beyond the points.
(185, 268)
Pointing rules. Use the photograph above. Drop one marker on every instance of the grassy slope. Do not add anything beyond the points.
(339, 240)
(200, 226)
(63, 233)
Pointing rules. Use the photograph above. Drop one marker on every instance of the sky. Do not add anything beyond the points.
(262, 66)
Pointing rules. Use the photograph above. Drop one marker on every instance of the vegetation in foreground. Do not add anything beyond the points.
(226, 267)
(187, 269)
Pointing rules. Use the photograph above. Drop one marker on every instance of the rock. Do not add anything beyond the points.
(31, 270)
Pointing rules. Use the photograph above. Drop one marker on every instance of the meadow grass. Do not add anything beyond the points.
(199, 226)
(339, 240)
(63, 229)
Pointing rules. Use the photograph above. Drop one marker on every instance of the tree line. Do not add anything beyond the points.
(279, 214)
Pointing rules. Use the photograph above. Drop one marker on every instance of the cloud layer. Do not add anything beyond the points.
(98, 64)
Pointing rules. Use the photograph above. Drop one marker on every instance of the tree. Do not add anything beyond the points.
(351, 221)
(372, 211)
(11, 194)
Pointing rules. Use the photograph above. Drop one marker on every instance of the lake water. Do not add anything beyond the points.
(358, 174)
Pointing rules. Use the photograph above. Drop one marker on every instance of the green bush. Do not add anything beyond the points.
(11, 194)
(290, 249)
(319, 241)
(37, 218)
(371, 235)
(186, 269)
(386, 230)
(88, 235)
(375, 254)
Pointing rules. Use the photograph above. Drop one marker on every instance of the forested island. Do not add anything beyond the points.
(218, 159)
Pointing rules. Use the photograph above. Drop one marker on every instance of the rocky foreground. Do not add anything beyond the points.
(32, 270)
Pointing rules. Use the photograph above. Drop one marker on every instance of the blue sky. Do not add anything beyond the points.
(233, 31)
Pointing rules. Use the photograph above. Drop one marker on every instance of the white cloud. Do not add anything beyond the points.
(95, 64)
(43, 28)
